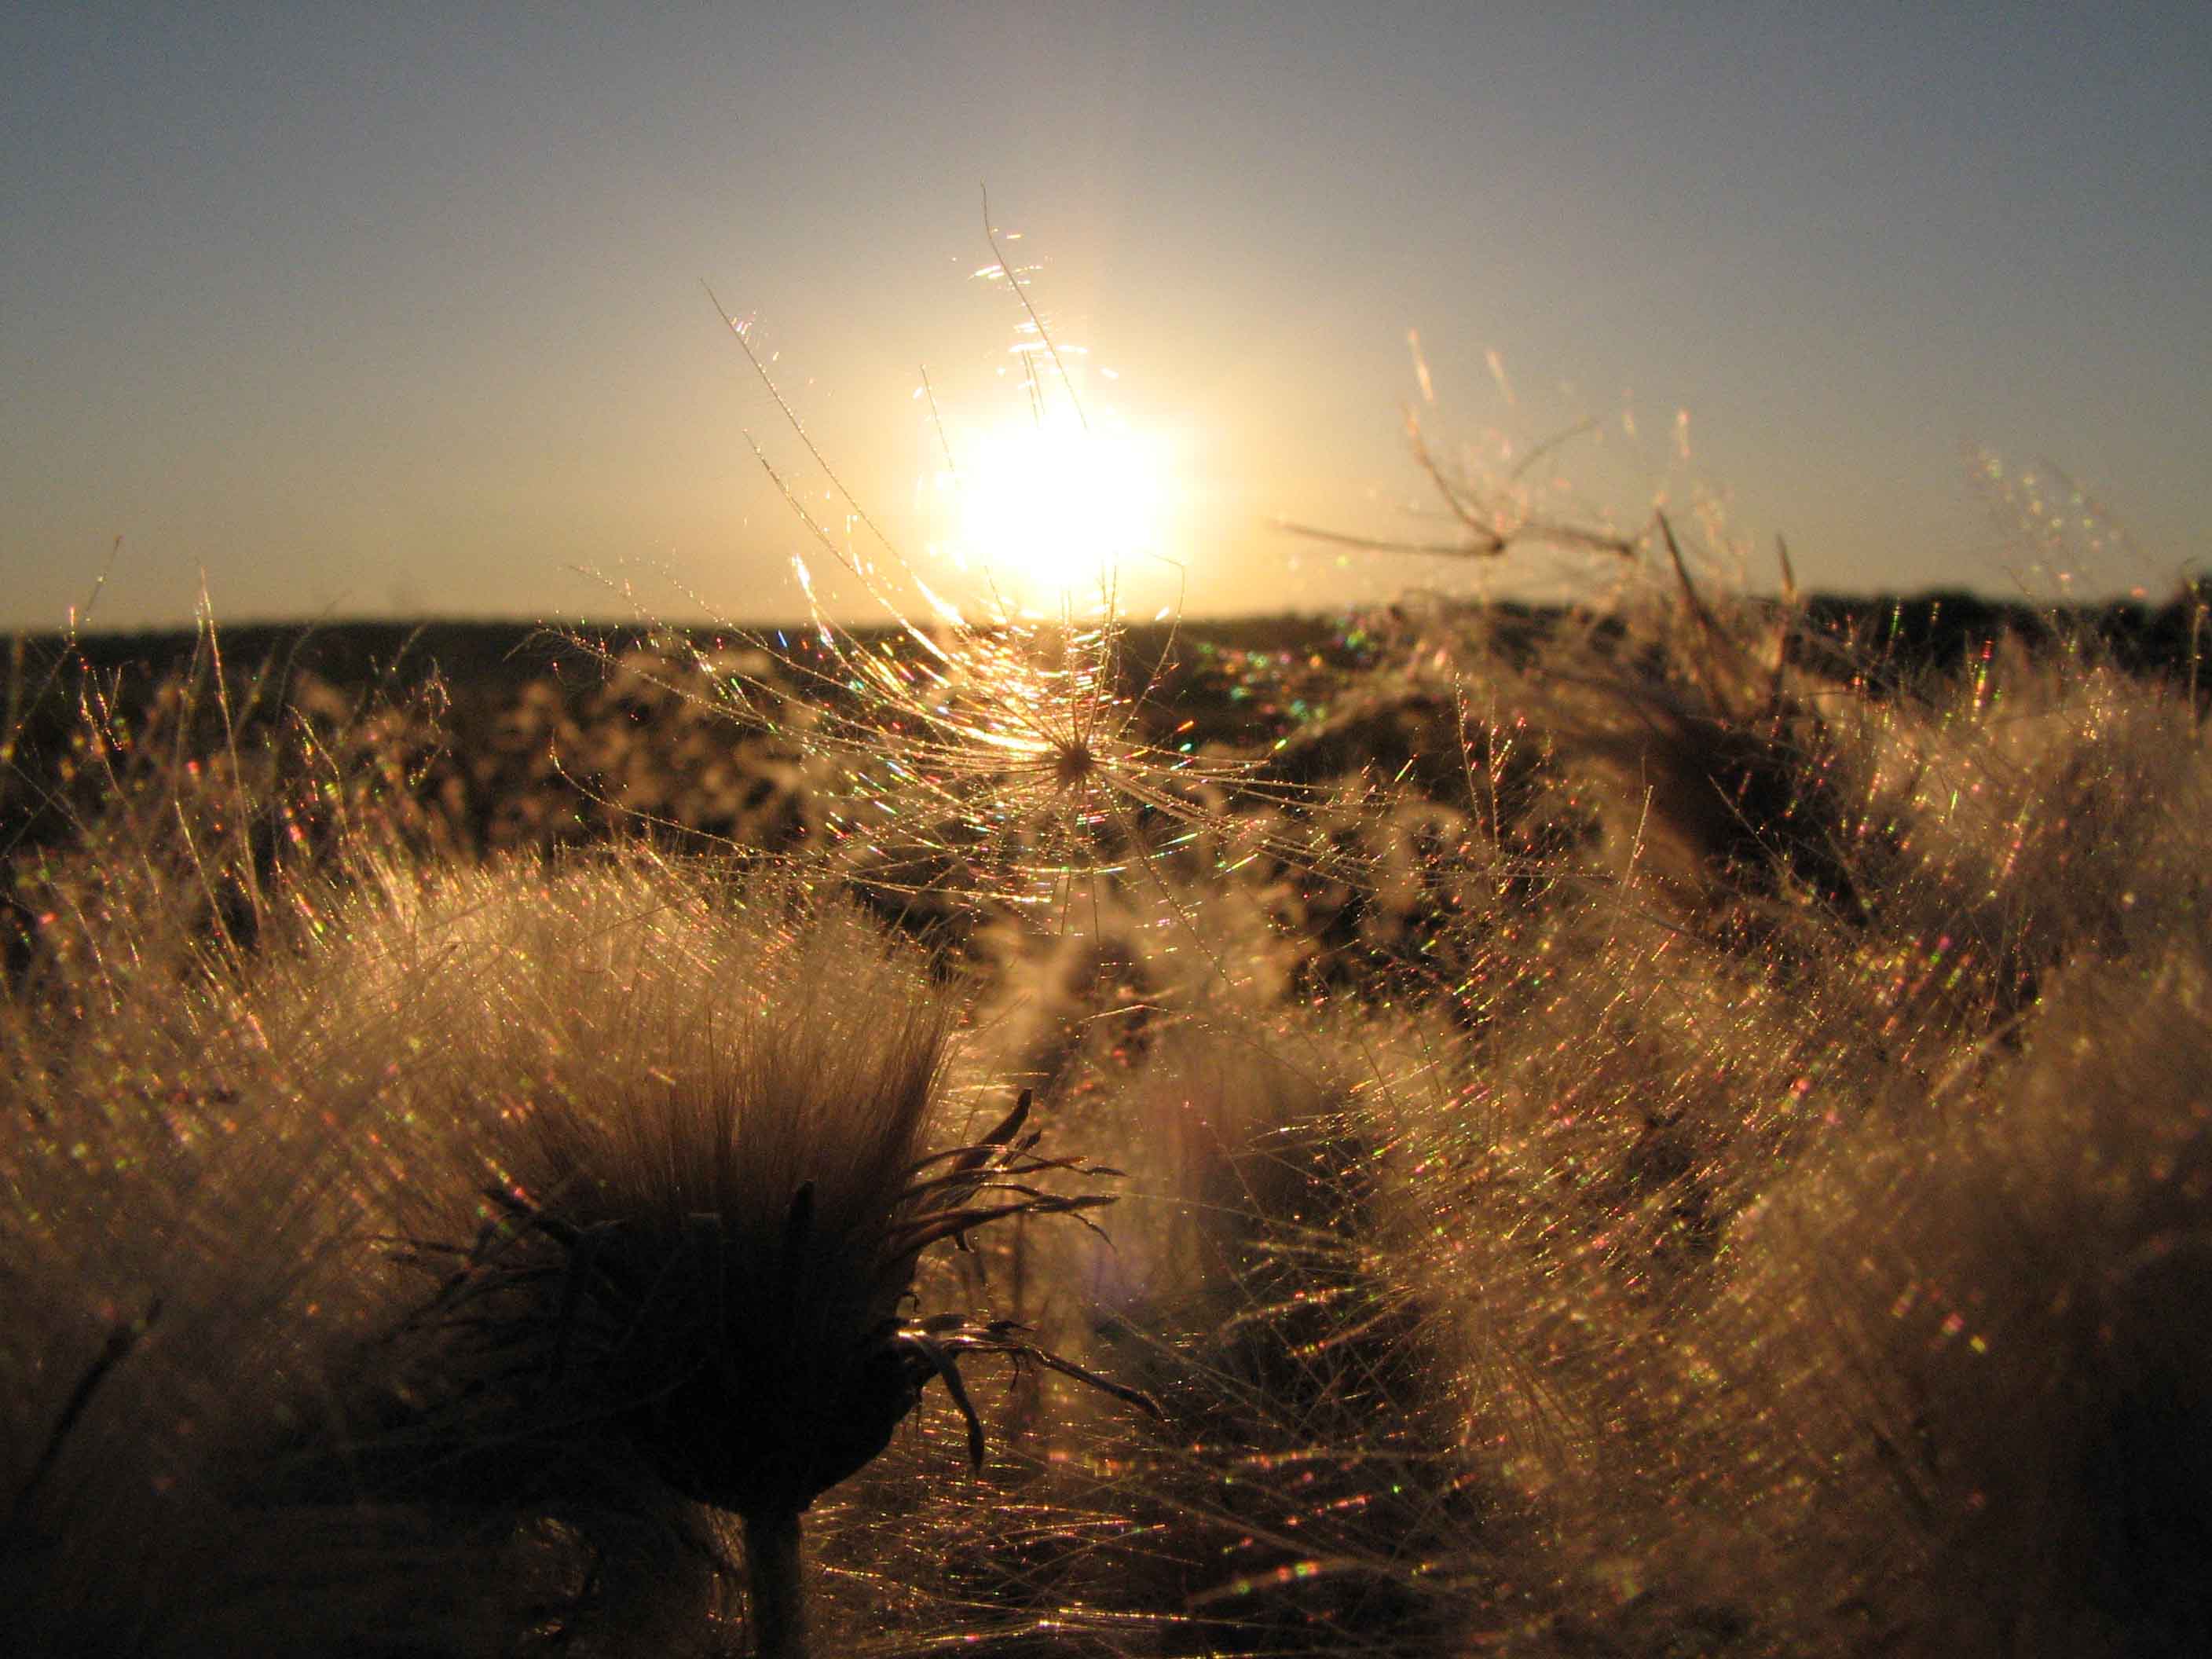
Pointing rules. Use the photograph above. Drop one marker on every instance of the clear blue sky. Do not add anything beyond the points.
(376, 309)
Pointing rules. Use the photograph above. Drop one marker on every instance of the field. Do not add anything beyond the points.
(1675, 1129)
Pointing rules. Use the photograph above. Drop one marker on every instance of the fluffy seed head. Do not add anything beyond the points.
(702, 1186)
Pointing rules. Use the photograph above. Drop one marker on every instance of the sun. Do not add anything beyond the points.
(1047, 510)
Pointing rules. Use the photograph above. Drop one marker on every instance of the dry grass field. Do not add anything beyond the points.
(1677, 1129)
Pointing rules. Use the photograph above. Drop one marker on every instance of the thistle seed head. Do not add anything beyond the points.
(704, 1178)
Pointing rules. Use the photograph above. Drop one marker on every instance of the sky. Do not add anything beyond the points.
(334, 310)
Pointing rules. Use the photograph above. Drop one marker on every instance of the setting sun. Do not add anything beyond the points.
(1049, 509)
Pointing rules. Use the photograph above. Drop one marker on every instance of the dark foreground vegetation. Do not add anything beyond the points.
(1449, 1131)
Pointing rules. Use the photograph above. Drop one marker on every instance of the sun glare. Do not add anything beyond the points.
(1047, 511)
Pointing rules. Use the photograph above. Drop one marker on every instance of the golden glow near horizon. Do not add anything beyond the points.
(1047, 507)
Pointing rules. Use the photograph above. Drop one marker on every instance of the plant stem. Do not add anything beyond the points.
(777, 1591)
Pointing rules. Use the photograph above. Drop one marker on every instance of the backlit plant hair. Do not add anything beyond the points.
(983, 755)
(716, 1154)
